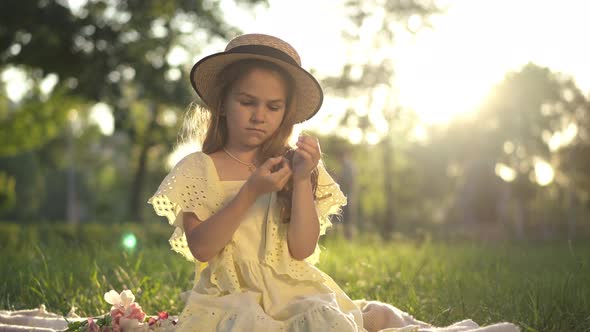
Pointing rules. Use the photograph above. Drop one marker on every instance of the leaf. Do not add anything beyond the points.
(75, 326)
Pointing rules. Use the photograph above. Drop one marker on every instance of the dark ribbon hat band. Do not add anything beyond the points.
(264, 50)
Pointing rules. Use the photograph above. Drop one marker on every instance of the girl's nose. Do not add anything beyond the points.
(258, 114)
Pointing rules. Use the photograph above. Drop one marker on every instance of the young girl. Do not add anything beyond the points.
(252, 208)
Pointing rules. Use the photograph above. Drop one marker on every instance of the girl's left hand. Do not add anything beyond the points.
(306, 157)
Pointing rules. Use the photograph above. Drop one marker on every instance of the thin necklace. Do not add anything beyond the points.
(251, 167)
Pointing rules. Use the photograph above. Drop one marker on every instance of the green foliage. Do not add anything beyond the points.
(110, 52)
(450, 176)
(24, 169)
(36, 121)
(539, 286)
(515, 126)
(523, 109)
(542, 285)
(64, 265)
(7, 191)
(101, 322)
(115, 52)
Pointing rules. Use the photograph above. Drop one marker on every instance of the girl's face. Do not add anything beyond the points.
(255, 107)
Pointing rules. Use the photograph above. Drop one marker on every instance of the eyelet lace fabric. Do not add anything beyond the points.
(254, 284)
(193, 186)
(329, 199)
(241, 312)
(189, 187)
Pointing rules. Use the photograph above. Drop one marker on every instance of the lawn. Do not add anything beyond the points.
(539, 286)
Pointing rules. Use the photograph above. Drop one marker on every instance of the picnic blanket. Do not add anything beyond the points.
(38, 319)
(35, 320)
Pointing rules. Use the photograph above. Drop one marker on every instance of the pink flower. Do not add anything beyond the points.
(152, 321)
(125, 313)
(92, 326)
(124, 299)
(134, 311)
(116, 314)
(162, 315)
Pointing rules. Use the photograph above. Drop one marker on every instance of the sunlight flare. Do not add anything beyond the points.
(101, 115)
(505, 173)
(544, 173)
(129, 241)
(182, 151)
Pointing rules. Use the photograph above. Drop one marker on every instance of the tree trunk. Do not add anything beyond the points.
(389, 219)
(572, 213)
(136, 203)
(72, 205)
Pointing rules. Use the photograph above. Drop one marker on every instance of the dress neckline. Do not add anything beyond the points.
(214, 169)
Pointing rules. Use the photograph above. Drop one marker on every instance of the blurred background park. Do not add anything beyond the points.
(455, 128)
(443, 121)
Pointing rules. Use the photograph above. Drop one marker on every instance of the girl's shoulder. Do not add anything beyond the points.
(194, 164)
(194, 157)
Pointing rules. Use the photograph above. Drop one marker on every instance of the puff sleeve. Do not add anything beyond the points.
(189, 187)
(329, 200)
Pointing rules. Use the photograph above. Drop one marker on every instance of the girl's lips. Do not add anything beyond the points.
(256, 130)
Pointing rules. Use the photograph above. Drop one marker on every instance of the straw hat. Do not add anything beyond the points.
(308, 95)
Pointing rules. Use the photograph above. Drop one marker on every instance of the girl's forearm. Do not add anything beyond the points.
(304, 227)
(207, 238)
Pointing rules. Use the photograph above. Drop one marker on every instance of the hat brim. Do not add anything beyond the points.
(308, 93)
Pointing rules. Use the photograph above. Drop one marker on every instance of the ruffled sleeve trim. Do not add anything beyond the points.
(189, 187)
(329, 199)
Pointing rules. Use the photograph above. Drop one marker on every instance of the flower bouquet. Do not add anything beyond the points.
(126, 315)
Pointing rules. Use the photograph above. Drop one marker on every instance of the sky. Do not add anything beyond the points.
(444, 71)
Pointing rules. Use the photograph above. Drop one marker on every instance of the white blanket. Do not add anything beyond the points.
(38, 320)
(35, 320)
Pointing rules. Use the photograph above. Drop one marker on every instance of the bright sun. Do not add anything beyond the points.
(439, 92)
(440, 74)
(444, 72)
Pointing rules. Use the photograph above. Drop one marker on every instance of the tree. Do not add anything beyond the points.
(375, 27)
(118, 53)
(524, 121)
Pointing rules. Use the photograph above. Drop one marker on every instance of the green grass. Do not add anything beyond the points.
(539, 286)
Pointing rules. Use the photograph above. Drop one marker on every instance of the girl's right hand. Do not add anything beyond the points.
(271, 176)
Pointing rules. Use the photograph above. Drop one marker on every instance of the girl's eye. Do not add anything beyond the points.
(275, 108)
(246, 102)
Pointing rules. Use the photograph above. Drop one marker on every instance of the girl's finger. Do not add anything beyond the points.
(284, 171)
(313, 154)
(271, 162)
(280, 165)
(305, 155)
(286, 163)
(314, 151)
(283, 181)
(313, 141)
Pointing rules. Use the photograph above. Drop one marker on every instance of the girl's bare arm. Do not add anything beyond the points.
(304, 227)
(207, 238)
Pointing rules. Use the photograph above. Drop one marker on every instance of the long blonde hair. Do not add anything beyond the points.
(215, 137)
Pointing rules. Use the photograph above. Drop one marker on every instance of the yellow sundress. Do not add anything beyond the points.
(254, 284)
